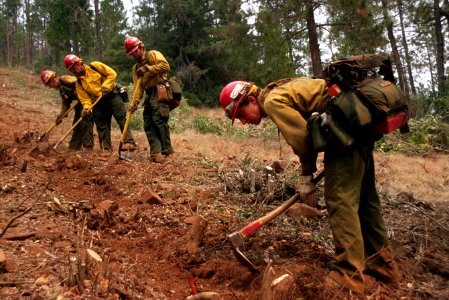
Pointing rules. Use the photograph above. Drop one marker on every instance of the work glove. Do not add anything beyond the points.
(306, 188)
(140, 71)
(86, 113)
(133, 108)
(105, 91)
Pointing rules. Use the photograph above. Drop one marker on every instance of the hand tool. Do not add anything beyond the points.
(58, 121)
(76, 124)
(237, 238)
(125, 129)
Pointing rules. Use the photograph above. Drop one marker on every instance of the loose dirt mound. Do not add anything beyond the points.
(91, 226)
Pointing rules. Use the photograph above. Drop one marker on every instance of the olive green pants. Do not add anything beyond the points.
(82, 134)
(354, 209)
(155, 123)
(110, 105)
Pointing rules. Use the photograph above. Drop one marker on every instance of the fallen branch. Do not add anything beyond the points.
(22, 213)
(20, 237)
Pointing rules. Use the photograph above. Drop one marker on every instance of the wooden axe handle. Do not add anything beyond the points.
(252, 227)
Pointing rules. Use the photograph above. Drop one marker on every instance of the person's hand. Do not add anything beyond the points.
(86, 113)
(140, 71)
(133, 108)
(105, 91)
(306, 188)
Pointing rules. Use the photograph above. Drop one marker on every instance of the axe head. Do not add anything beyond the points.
(236, 241)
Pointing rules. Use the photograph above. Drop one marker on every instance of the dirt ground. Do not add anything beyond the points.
(86, 225)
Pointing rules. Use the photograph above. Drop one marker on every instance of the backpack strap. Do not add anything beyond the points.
(272, 85)
(95, 70)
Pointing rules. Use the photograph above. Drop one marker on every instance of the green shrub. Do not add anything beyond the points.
(180, 117)
(429, 103)
(204, 124)
(192, 99)
(136, 122)
(426, 134)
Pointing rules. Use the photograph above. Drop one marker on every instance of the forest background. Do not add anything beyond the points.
(211, 42)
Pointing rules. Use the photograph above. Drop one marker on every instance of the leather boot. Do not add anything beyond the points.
(157, 158)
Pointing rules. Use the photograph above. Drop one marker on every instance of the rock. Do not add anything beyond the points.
(107, 205)
(298, 210)
(62, 244)
(151, 197)
(2, 260)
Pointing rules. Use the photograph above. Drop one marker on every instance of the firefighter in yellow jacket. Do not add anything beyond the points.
(358, 228)
(82, 136)
(97, 81)
(152, 68)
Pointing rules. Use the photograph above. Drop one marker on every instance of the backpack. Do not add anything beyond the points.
(173, 86)
(364, 94)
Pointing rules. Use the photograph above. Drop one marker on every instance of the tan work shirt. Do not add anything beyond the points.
(67, 90)
(158, 69)
(92, 83)
(289, 106)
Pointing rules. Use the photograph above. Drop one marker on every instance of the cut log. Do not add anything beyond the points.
(196, 234)
(268, 276)
(283, 287)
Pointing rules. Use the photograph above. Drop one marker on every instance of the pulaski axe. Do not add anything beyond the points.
(75, 103)
(237, 238)
(74, 125)
(125, 128)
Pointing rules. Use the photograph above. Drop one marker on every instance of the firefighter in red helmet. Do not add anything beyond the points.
(82, 136)
(352, 202)
(97, 80)
(152, 68)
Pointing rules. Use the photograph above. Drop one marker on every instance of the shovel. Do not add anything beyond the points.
(122, 138)
(74, 125)
(58, 121)
(237, 238)
(125, 128)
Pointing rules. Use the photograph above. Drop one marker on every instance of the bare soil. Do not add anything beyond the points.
(87, 225)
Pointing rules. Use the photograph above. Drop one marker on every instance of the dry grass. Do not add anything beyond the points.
(425, 178)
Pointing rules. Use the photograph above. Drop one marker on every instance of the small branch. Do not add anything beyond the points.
(14, 283)
(22, 213)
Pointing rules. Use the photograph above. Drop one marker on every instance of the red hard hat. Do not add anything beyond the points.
(70, 60)
(131, 44)
(46, 75)
(232, 95)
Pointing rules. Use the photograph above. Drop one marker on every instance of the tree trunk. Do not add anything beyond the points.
(98, 46)
(408, 60)
(29, 35)
(396, 57)
(314, 46)
(430, 61)
(9, 47)
(439, 48)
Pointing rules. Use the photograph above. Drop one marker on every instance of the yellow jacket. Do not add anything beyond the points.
(91, 83)
(289, 105)
(158, 68)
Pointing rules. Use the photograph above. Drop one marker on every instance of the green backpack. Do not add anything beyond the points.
(365, 96)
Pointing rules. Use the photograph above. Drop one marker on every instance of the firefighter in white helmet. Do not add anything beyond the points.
(94, 81)
(358, 229)
(152, 68)
(82, 135)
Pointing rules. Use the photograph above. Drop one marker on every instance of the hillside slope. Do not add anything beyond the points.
(91, 226)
